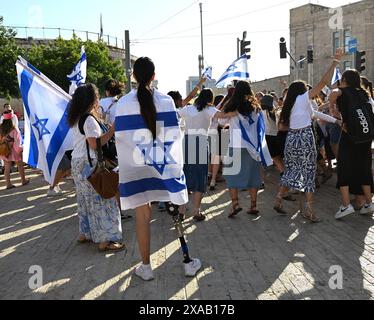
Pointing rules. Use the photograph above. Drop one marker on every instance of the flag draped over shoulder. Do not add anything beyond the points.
(79, 74)
(238, 70)
(47, 133)
(253, 134)
(150, 170)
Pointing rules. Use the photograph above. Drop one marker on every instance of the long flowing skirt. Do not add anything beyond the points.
(99, 219)
(300, 161)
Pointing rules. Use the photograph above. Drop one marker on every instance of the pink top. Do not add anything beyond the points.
(16, 154)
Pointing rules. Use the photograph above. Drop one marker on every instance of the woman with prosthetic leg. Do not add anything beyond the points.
(150, 154)
(191, 266)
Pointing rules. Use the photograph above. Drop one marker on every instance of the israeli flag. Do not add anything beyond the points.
(238, 70)
(47, 133)
(253, 134)
(79, 73)
(208, 73)
(150, 170)
(337, 76)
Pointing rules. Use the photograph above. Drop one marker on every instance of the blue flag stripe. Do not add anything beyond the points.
(136, 122)
(153, 184)
(234, 75)
(57, 140)
(26, 82)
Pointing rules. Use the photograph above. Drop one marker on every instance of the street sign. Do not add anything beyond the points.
(352, 46)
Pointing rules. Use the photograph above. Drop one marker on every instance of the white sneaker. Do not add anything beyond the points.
(344, 212)
(367, 209)
(192, 268)
(56, 192)
(144, 272)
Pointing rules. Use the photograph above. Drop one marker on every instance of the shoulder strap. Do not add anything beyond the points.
(111, 106)
(82, 122)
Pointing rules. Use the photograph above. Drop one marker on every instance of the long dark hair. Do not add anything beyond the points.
(368, 86)
(144, 70)
(6, 127)
(205, 98)
(239, 101)
(296, 89)
(85, 101)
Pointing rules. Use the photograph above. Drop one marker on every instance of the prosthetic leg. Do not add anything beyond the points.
(192, 266)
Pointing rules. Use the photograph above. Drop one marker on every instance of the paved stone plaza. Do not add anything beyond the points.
(270, 257)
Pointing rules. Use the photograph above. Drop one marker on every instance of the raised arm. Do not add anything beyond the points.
(194, 92)
(326, 79)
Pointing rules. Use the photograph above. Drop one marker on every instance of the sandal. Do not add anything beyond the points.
(11, 187)
(26, 183)
(278, 206)
(253, 210)
(236, 208)
(309, 214)
(83, 240)
(199, 217)
(289, 198)
(113, 247)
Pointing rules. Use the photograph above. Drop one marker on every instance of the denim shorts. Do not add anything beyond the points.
(335, 133)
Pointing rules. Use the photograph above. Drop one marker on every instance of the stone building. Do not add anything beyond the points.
(319, 27)
(326, 29)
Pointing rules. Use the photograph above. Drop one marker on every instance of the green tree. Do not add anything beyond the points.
(8, 57)
(57, 60)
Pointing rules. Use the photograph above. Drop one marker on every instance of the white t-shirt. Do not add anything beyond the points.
(197, 123)
(270, 125)
(14, 120)
(302, 113)
(92, 130)
(109, 115)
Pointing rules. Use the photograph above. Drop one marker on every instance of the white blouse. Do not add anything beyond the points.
(303, 113)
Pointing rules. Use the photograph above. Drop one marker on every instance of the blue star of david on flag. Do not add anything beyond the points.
(41, 126)
(232, 68)
(157, 154)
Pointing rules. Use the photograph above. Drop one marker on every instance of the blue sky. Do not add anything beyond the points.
(175, 44)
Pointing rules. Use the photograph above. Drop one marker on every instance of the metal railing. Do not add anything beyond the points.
(53, 33)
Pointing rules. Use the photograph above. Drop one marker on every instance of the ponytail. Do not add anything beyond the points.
(147, 108)
(144, 70)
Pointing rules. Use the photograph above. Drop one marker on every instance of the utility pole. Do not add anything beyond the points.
(238, 44)
(202, 41)
(128, 61)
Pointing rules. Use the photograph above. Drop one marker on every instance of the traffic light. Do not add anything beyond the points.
(283, 48)
(360, 61)
(245, 48)
(310, 55)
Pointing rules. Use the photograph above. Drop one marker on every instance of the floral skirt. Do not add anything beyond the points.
(301, 161)
(99, 219)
